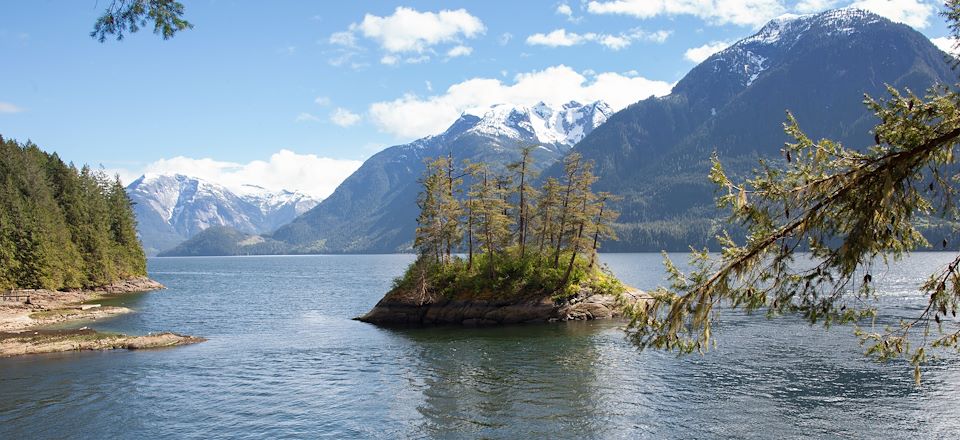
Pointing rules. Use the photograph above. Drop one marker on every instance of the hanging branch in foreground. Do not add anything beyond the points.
(849, 208)
(130, 15)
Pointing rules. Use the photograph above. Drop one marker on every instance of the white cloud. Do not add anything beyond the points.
(459, 51)
(344, 117)
(562, 38)
(6, 107)
(701, 53)
(504, 38)
(739, 12)
(409, 30)
(308, 173)
(322, 100)
(946, 44)
(413, 116)
(915, 13)
(811, 6)
(556, 38)
(564, 9)
(306, 117)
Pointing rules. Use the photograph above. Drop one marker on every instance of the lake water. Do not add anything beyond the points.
(284, 360)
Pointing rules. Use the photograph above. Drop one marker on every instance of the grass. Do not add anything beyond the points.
(533, 276)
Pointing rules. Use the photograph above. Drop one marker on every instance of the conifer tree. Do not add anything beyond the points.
(602, 223)
(571, 166)
(490, 207)
(548, 206)
(429, 235)
(523, 173)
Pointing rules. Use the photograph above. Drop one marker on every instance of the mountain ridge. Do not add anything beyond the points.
(173, 207)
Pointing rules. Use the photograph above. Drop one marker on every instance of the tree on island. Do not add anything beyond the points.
(851, 209)
(496, 217)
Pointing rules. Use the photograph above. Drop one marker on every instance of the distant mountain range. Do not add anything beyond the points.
(654, 153)
(374, 210)
(172, 208)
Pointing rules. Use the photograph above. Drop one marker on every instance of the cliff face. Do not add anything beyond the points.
(405, 308)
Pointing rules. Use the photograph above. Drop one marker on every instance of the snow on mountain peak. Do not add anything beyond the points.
(565, 124)
(751, 56)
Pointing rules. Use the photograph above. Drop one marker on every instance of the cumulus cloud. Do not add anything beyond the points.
(344, 117)
(562, 38)
(412, 116)
(701, 53)
(408, 31)
(459, 51)
(285, 169)
(915, 13)
(564, 9)
(322, 100)
(946, 44)
(6, 107)
(738, 12)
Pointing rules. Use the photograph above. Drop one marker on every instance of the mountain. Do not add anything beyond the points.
(374, 210)
(656, 152)
(171, 208)
(224, 240)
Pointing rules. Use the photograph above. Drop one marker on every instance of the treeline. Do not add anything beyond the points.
(494, 217)
(61, 227)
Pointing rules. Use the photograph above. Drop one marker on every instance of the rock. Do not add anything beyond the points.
(398, 309)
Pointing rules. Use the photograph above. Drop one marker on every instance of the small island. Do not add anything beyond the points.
(493, 249)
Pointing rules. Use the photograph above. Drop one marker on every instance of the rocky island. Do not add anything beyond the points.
(529, 254)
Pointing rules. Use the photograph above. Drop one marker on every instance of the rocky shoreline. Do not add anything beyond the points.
(398, 309)
(25, 326)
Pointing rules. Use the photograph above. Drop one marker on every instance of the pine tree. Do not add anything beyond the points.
(548, 214)
(523, 173)
(571, 167)
(429, 235)
(602, 223)
(493, 222)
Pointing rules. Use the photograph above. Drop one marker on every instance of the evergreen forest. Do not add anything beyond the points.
(62, 227)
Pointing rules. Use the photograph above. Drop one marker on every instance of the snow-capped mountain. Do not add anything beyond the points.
(564, 125)
(374, 210)
(171, 208)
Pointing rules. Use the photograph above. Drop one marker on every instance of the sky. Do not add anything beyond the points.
(296, 94)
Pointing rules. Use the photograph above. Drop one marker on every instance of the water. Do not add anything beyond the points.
(284, 360)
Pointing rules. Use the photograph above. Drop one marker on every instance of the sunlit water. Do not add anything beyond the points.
(284, 360)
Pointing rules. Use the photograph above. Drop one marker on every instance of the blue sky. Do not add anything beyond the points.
(296, 93)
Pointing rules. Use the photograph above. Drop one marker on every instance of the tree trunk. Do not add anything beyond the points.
(523, 218)
(596, 233)
(573, 258)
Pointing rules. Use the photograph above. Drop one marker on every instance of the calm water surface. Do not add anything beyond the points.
(284, 360)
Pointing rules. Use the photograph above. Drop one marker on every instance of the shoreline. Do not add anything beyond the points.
(25, 328)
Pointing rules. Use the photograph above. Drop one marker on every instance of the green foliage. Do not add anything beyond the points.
(519, 241)
(130, 15)
(850, 208)
(60, 227)
(529, 276)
